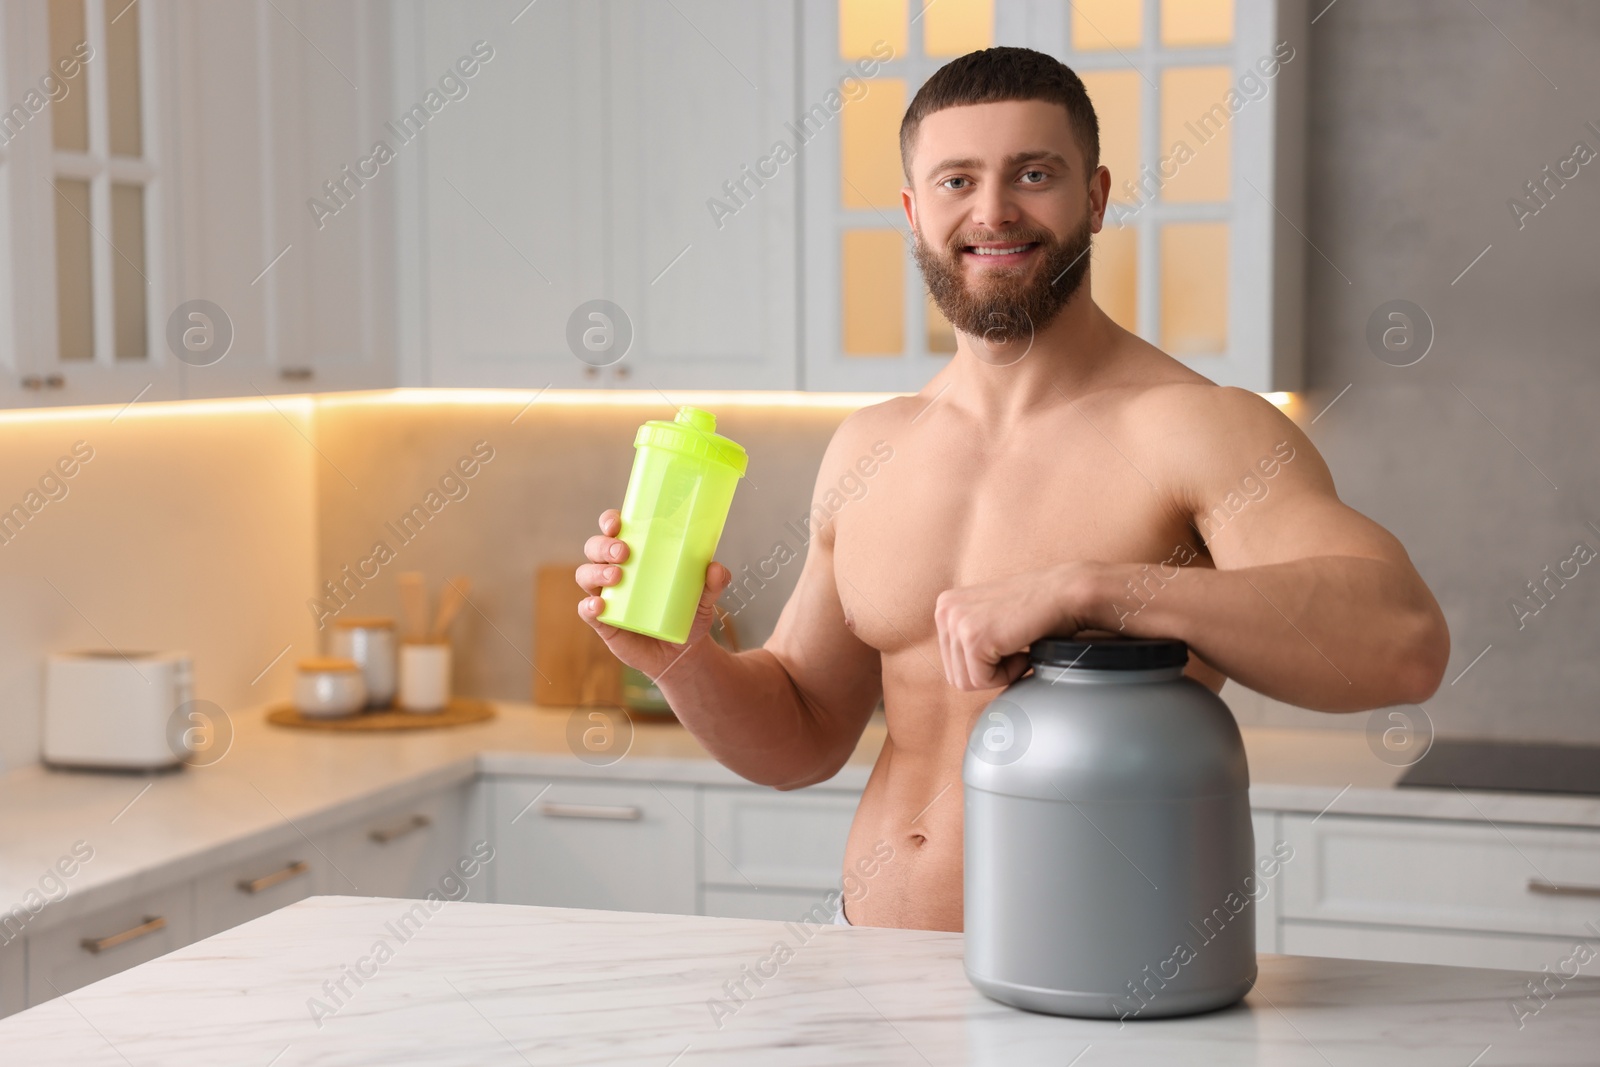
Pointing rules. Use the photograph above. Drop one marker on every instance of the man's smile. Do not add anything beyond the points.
(996, 254)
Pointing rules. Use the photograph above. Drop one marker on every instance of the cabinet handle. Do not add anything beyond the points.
(622, 812)
(49, 381)
(296, 374)
(385, 835)
(267, 881)
(1556, 889)
(133, 933)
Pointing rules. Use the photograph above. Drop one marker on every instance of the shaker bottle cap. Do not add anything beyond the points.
(1109, 653)
(693, 433)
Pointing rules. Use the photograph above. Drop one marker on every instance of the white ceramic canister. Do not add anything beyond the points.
(424, 676)
(370, 643)
(329, 688)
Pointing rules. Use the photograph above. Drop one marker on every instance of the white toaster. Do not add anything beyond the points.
(114, 711)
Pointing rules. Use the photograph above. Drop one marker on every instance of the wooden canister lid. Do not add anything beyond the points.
(368, 622)
(326, 664)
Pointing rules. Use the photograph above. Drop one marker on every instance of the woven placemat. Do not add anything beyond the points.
(460, 712)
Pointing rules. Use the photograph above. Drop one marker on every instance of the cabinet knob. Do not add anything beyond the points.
(591, 372)
(621, 371)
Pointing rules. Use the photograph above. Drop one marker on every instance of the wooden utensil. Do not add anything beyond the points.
(451, 600)
(572, 665)
(413, 605)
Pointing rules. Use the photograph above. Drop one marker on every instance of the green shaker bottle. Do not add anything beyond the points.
(682, 483)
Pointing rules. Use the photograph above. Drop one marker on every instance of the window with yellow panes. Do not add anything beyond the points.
(1159, 74)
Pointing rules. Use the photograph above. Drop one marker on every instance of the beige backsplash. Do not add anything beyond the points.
(554, 469)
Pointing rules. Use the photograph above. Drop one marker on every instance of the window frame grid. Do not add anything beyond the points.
(1265, 268)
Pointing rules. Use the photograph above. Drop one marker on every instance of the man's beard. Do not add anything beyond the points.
(1008, 304)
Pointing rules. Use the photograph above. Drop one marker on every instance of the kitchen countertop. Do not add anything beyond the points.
(275, 783)
(486, 984)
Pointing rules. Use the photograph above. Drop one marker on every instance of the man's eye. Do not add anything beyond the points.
(1034, 177)
(947, 181)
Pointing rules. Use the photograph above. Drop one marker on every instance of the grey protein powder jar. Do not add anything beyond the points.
(1108, 848)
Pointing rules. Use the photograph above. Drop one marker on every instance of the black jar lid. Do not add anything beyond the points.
(1109, 653)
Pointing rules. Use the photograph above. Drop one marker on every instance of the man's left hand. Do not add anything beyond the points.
(985, 629)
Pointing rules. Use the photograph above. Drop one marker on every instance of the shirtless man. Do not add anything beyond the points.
(1059, 475)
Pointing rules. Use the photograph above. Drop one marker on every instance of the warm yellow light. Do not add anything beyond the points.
(707, 398)
(298, 404)
(304, 405)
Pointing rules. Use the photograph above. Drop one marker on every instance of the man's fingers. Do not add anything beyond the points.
(610, 522)
(592, 577)
(600, 549)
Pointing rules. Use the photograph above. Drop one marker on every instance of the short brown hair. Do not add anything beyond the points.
(1005, 73)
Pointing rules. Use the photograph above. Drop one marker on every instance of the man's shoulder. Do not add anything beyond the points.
(867, 425)
(1202, 406)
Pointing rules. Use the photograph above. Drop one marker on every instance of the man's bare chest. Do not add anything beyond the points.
(932, 523)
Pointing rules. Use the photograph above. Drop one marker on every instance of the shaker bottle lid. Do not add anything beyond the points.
(1109, 653)
(693, 433)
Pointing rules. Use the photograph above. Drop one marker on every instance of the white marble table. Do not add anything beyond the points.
(489, 984)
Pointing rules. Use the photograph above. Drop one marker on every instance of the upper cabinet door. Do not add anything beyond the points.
(704, 190)
(591, 218)
(512, 192)
(85, 194)
(289, 193)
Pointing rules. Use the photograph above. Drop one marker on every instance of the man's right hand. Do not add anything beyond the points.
(651, 655)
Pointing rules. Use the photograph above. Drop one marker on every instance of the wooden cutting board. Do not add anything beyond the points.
(572, 666)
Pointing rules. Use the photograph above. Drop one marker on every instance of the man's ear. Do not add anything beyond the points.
(908, 201)
(1099, 195)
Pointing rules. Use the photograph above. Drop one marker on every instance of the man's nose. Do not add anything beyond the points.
(995, 208)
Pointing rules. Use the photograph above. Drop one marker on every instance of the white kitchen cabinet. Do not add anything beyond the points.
(1453, 948)
(511, 192)
(779, 905)
(13, 977)
(404, 850)
(699, 92)
(767, 839)
(74, 953)
(1264, 825)
(581, 167)
(247, 108)
(57, 208)
(278, 104)
(627, 846)
(265, 882)
(1443, 875)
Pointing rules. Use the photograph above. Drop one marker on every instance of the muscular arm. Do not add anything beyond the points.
(787, 714)
(1310, 602)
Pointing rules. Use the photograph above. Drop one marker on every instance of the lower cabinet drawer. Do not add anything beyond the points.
(1446, 875)
(404, 851)
(624, 846)
(250, 888)
(1453, 948)
(766, 839)
(783, 905)
(95, 946)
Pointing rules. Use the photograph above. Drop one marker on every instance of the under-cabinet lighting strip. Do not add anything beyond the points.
(306, 404)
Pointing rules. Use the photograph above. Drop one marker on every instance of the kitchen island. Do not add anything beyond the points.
(344, 980)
